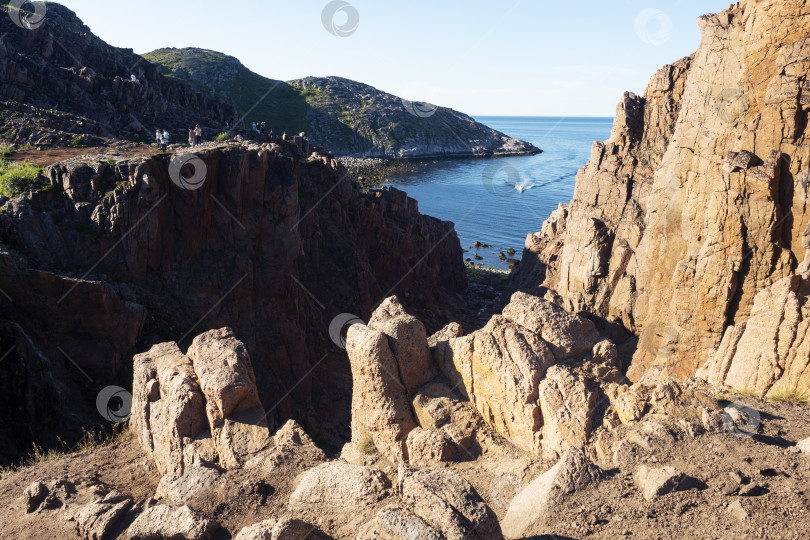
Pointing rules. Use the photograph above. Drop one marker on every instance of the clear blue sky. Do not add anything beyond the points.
(510, 57)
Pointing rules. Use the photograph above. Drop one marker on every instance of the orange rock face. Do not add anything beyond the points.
(698, 200)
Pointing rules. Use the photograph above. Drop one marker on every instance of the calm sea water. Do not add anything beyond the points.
(480, 195)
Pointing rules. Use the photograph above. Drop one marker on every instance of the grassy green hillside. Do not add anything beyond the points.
(224, 78)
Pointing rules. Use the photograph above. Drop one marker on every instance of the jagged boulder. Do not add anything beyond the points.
(164, 521)
(567, 335)
(567, 404)
(289, 444)
(394, 522)
(499, 368)
(95, 520)
(196, 482)
(573, 472)
(437, 407)
(179, 401)
(338, 484)
(168, 409)
(407, 339)
(448, 503)
(381, 412)
(428, 447)
(656, 481)
(235, 413)
(285, 528)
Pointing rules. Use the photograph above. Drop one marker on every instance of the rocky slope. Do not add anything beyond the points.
(111, 255)
(347, 117)
(695, 206)
(436, 452)
(59, 81)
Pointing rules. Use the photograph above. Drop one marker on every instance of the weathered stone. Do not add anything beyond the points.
(452, 330)
(449, 503)
(656, 481)
(437, 407)
(340, 485)
(168, 410)
(195, 483)
(573, 472)
(769, 353)
(629, 407)
(736, 510)
(381, 410)
(235, 413)
(286, 528)
(33, 496)
(500, 367)
(163, 521)
(567, 404)
(96, 519)
(394, 522)
(407, 340)
(804, 445)
(567, 335)
(428, 447)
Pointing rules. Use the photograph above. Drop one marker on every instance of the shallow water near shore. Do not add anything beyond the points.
(480, 195)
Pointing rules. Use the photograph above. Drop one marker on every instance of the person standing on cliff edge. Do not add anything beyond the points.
(197, 134)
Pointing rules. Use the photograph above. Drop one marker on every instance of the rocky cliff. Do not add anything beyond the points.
(276, 242)
(58, 81)
(697, 202)
(347, 117)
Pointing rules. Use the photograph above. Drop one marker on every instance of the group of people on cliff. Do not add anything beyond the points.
(194, 137)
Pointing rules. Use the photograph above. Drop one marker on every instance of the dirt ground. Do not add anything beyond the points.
(49, 156)
(780, 508)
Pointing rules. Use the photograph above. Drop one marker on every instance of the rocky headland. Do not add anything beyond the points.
(302, 363)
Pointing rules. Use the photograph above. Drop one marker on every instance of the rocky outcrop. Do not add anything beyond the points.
(80, 85)
(67, 350)
(500, 366)
(698, 200)
(275, 243)
(381, 414)
(197, 408)
(768, 354)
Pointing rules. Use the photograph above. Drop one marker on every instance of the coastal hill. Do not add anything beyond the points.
(348, 118)
(60, 85)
